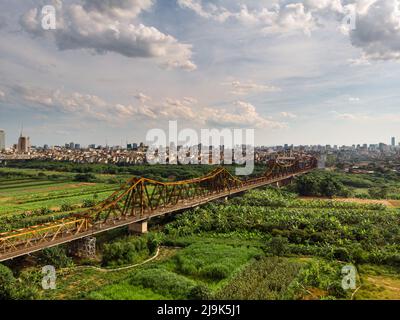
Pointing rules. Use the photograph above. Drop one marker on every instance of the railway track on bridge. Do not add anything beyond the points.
(141, 199)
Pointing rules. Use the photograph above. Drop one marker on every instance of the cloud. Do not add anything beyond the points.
(286, 114)
(106, 26)
(2, 95)
(119, 9)
(346, 116)
(377, 22)
(187, 109)
(377, 31)
(244, 115)
(245, 88)
(279, 18)
(142, 97)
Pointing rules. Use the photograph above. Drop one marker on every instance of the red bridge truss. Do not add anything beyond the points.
(141, 199)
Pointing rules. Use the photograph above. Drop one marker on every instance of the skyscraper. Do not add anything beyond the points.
(2, 140)
(24, 144)
(393, 141)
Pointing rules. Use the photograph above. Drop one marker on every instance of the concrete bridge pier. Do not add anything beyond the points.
(138, 227)
(84, 248)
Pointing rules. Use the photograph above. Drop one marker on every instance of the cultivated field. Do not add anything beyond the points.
(27, 201)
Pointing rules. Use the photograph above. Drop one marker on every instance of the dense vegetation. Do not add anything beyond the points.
(338, 184)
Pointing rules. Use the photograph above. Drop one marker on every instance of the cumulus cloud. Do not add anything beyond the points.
(142, 97)
(245, 88)
(279, 18)
(377, 22)
(377, 31)
(106, 26)
(244, 115)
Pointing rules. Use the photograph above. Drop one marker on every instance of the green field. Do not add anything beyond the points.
(27, 201)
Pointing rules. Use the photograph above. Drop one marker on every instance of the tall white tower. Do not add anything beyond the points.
(2, 140)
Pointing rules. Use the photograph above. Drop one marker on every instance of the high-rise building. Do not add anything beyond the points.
(2, 140)
(393, 141)
(24, 144)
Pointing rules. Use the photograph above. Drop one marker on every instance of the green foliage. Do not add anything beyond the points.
(315, 184)
(85, 177)
(378, 193)
(126, 251)
(264, 279)
(164, 282)
(331, 229)
(323, 275)
(88, 203)
(7, 283)
(278, 246)
(212, 262)
(66, 207)
(200, 292)
(55, 256)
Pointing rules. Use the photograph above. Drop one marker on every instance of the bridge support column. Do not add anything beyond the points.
(84, 248)
(138, 227)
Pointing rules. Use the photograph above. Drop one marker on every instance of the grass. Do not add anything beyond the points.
(179, 274)
(378, 283)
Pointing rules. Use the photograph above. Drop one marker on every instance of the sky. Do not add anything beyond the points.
(298, 72)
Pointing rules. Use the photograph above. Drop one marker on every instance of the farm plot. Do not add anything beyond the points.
(39, 200)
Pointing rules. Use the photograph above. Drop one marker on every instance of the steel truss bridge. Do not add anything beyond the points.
(141, 199)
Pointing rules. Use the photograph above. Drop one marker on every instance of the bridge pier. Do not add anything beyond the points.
(138, 227)
(84, 248)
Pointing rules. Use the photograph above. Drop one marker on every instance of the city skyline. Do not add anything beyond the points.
(391, 141)
(290, 69)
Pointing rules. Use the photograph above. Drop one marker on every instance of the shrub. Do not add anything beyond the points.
(278, 246)
(66, 207)
(55, 256)
(200, 292)
(85, 177)
(88, 203)
(7, 283)
(126, 251)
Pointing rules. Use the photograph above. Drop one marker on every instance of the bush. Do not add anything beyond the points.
(278, 246)
(66, 207)
(7, 283)
(88, 203)
(126, 251)
(200, 292)
(85, 177)
(55, 256)
(341, 254)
